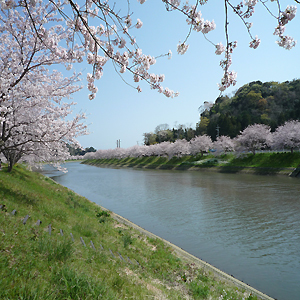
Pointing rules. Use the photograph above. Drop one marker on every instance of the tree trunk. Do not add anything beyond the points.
(10, 165)
(11, 157)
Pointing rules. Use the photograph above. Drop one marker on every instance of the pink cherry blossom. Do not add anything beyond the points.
(139, 23)
(255, 43)
(219, 49)
(182, 48)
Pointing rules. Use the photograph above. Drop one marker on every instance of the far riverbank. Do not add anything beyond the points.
(271, 163)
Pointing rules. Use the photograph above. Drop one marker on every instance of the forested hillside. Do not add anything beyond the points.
(270, 103)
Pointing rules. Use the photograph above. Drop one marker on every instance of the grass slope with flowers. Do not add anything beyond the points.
(283, 163)
(37, 265)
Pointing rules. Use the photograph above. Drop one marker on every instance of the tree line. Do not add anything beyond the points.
(163, 133)
(251, 139)
(80, 151)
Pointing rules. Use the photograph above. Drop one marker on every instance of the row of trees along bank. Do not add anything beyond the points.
(254, 137)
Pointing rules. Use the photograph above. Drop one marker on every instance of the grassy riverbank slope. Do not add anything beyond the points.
(261, 163)
(125, 264)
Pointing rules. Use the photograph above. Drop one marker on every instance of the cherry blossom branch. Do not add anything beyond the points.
(236, 11)
(113, 34)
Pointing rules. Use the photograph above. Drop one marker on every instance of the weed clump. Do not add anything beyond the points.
(54, 250)
(70, 284)
(199, 290)
(103, 216)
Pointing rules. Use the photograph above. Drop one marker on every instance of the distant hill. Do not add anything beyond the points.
(270, 103)
(80, 151)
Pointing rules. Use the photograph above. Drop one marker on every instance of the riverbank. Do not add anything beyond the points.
(110, 258)
(281, 163)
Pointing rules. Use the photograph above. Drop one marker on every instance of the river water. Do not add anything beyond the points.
(246, 225)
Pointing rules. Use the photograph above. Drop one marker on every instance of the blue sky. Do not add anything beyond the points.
(120, 112)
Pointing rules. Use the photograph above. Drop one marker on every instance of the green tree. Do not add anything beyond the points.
(201, 127)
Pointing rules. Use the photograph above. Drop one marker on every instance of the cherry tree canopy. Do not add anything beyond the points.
(255, 137)
(35, 124)
(224, 144)
(201, 144)
(287, 136)
(100, 31)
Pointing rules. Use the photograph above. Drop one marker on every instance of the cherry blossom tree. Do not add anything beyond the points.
(179, 148)
(201, 144)
(161, 149)
(35, 124)
(255, 137)
(150, 150)
(287, 136)
(135, 151)
(224, 144)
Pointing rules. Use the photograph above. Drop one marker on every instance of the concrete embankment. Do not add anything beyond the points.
(189, 258)
(292, 172)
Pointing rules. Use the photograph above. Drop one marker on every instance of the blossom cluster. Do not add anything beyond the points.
(116, 43)
(286, 16)
(229, 77)
(182, 48)
(255, 43)
(220, 48)
(180, 147)
(196, 21)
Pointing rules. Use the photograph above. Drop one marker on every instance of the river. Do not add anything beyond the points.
(246, 225)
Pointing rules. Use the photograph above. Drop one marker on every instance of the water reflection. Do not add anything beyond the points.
(246, 225)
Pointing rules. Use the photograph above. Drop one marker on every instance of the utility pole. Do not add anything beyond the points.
(218, 131)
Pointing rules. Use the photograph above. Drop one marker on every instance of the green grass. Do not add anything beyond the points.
(151, 162)
(224, 162)
(37, 265)
(268, 160)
